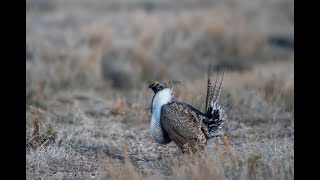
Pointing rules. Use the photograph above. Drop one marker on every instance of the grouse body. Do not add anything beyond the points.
(188, 127)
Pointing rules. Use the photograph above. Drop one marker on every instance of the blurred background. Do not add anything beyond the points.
(89, 63)
(127, 44)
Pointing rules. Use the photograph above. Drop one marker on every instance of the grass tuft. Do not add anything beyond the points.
(41, 138)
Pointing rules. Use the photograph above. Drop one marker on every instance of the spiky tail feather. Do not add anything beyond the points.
(215, 113)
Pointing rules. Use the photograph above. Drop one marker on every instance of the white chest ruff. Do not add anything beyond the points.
(161, 98)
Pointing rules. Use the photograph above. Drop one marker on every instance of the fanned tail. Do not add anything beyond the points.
(215, 113)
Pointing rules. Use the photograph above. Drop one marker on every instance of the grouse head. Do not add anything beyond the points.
(156, 87)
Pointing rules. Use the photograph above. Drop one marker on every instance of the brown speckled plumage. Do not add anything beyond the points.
(184, 125)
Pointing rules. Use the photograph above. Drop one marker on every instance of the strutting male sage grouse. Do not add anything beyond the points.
(186, 126)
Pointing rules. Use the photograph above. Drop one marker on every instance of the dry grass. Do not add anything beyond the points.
(40, 138)
(88, 67)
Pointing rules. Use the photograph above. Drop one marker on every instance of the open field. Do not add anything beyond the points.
(89, 64)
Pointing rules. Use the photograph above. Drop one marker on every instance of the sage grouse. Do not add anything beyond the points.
(186, 126)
